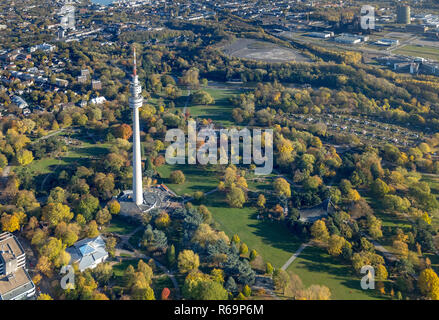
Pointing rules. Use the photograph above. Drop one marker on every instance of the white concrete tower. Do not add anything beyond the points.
(135, 102)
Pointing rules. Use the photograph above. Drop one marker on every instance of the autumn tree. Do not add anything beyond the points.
(282, 187)
(261, 201)
(319, 231)
(188, 261)
(336, 244)
(10, 222)
(114, 207)
(165, 294)
(235, 197)
(177, 177)
(428, 283)
(54, 213)
(122, 131)
(24, 157)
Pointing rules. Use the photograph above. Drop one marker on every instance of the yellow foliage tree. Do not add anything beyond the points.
(10, 223)
(428, 283)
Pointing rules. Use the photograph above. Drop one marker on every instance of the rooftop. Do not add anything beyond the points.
(9, 247)
(87, 252)
(15, 285)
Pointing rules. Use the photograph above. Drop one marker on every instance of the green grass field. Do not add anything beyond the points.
(136, 237)
(315, 266)
(79, 155)
(197, 179)
(121, 226)
(119, 270)
(221, 111)
(272, 240)
(418, 51)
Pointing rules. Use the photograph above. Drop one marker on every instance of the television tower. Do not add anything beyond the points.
(135, 102)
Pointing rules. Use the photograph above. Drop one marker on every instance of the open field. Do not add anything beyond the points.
(276, 244)
(315, 266)
(75, 154)
(262, 51)
(120, 225)
(221, 111)
(272, 240)
(419, 51)
(197, 179)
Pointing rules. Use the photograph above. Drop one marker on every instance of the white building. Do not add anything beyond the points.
(98, 100)
(88, 253)
(19, 101)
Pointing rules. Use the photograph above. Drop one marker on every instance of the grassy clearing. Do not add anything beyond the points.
(420, 51)
(119, 270)
(75, 156)
(272, 240)
(120, 225)
(221, 111)
(197, 178)
(136, 237)
(315, 266)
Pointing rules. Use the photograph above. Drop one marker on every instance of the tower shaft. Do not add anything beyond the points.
(135, 102)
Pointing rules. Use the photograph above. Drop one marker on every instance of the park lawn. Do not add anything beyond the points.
(119, 270)
(221, 111)
(272, 240)
(315, 266)
(420, 51)
(260, 183)
(44, 166)
(120, 225)
(135, 239)
(198, 178)
(390, 222)
(75, 155)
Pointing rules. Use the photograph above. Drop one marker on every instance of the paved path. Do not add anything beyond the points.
(295, 255)
(187, 101)
(205, 194)
(378, 247)
(48, 136)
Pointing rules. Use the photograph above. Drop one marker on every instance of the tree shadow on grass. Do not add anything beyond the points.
(271, 233)
(315, 260)
(275, 234)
